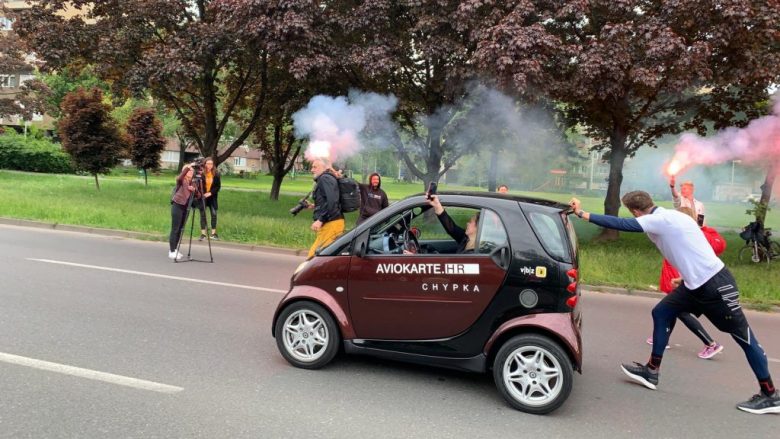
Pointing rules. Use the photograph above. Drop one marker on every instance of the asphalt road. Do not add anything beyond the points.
(88, 351)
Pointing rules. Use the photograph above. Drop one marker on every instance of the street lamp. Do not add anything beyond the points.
(733, 162)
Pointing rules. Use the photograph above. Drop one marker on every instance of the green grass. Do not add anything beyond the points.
(634, 262)
(248, 216)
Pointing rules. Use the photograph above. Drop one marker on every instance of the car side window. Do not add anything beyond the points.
(434, 237)
(550, 231)
(384, 237)
(492, 233)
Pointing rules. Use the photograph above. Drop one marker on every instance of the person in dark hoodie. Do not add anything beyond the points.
(372, 198)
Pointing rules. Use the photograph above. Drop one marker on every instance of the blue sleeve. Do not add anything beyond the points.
(613, 222)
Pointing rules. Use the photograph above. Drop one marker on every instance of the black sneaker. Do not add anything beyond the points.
(214, 237)
(761, 404)
(641, 374)
(202, 237)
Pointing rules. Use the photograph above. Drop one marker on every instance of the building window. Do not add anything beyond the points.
(171, 156)
(239, 161)
(6, 23)
(7, 81)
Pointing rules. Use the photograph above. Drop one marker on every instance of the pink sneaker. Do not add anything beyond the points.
(710, 351)
(650, 342)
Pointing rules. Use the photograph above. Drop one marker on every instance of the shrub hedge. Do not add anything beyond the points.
(33, 154)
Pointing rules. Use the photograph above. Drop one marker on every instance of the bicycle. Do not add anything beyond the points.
(758, 245)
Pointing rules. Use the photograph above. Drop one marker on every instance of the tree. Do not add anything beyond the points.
(415, 51)
(31, 96)
(146, 141)
(89, 133)
(207, 60)
(632, 71)
(62, 82)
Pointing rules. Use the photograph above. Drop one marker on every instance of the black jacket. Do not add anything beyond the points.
(216, 185)
(326, 198)
(455, 231)
(371, 201)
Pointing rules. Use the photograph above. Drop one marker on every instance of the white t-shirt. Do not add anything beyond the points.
(682, 242)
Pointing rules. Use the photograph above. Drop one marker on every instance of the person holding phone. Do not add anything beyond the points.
(466, 238)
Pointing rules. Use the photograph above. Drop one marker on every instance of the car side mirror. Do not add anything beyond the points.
(361, 250)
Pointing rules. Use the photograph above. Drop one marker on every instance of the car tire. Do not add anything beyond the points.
(307, 335)
(533, 373)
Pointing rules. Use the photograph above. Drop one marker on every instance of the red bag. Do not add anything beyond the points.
(668, 272)
(716, 241)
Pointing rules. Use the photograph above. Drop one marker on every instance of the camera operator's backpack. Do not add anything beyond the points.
(349, 194)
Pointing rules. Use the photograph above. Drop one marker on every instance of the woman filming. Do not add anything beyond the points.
(211, 185)
(184, 189)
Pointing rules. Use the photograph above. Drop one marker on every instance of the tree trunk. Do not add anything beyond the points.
(766, 192)
(182, 151)
(433, 161)
(146, 178)
(97, 184)
(493, 171)
(617, 157)
(276, 186)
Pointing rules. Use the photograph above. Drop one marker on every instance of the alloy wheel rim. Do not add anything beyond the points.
(533, 376)
(305, 336)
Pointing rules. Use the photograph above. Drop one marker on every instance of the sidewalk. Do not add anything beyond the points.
(279, 250)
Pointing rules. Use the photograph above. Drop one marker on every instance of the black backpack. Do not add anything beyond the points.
(349, 194)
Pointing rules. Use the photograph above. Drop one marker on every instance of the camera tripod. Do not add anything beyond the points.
(191, 209)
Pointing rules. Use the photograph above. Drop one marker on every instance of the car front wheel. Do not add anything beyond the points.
(533, 373)
(307, 335)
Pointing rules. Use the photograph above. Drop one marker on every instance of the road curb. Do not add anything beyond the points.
(292, 252)
(144, 236)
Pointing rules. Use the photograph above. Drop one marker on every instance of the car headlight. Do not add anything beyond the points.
(300, 267)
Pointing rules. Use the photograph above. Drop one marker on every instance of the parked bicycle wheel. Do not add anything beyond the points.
(753, 252)
(774, 246)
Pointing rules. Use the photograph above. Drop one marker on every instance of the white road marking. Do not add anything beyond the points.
(774, 360)
(89, 374)
(162, 276)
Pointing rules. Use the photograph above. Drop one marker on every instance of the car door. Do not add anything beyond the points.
(428, 296)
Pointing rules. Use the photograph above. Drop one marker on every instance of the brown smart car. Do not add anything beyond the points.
(402, 286)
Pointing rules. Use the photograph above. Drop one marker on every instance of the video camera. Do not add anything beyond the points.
(197, 165)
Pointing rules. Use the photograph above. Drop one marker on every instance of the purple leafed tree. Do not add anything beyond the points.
(208, 61)
(630, 71)
(89, 133)
(146, 142)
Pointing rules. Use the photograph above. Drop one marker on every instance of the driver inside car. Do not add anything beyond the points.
(466, 239)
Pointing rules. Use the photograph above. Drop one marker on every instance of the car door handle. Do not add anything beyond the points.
(501, 257)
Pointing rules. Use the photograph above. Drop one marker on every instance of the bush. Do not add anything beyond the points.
(32, 154)
(226, 168)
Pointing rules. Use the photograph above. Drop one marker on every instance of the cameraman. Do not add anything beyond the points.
(210, 185)
(184, 190)
(328, 219)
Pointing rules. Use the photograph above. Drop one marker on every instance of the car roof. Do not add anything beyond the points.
(494, 195)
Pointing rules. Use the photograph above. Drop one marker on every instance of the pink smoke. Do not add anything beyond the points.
(758, 143)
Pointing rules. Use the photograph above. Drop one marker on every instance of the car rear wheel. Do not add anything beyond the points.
(307, 335)
(533, 373)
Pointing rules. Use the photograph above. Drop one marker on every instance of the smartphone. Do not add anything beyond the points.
(432, 189)
(700, 220)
